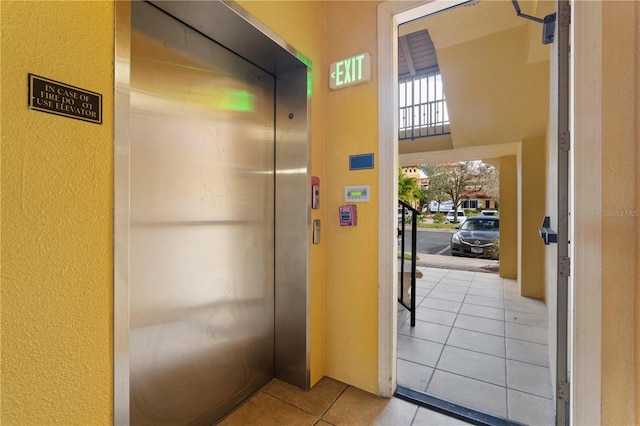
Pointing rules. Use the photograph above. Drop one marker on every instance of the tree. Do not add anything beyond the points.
(492, 185)
(408, 189)
(435, 191)
(454, 179)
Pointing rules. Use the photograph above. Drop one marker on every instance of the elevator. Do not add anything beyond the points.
(212, 215)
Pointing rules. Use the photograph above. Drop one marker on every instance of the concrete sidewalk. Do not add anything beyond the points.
(457, 263)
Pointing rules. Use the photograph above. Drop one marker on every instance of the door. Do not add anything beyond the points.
(202, 224)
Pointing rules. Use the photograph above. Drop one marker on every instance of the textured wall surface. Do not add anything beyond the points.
(508, 217)
(532, 276)
(56, 219)
(352, 253)
(619, 223)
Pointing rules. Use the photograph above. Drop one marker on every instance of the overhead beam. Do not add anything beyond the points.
(407, 54)
(467, 153)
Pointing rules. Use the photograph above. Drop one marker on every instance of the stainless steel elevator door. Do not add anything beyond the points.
(202, 224)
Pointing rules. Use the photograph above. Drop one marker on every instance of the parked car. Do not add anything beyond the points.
(407, 215)
(451, 215)
(489, 212)
(476, 237)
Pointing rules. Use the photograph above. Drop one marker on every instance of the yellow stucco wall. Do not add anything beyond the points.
(637, 137)
(508, 217)
(352, 273)
(620, 374)
(302, 24)
(56, 219)
(534, 174)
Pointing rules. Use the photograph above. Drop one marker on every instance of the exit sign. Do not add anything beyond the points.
(350, 71)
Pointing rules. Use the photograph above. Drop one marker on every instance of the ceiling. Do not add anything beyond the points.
(415, 52)
(495, 72)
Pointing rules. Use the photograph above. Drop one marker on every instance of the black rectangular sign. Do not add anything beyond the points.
(62, 99)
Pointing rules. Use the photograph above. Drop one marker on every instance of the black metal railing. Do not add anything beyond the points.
(406, 214)
(422, 106)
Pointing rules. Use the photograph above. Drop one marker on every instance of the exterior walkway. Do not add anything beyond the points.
(477, 343)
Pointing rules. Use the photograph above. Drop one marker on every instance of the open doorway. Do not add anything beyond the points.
(492, 117)
(476, 346)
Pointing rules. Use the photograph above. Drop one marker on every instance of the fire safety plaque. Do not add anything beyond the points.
(62, 99)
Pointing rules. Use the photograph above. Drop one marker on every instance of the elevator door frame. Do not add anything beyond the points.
(231, 26)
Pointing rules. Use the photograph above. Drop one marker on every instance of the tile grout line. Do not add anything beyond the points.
(504, 340)
(532, 394)
(525, 340)
(435, 367)
(475, 352)
(510, 322)
(443, 346)
(479, 380)
(305, 411)
(524, 362)
(291, 404)
(331, 405)
(506, 369)
(413, 419)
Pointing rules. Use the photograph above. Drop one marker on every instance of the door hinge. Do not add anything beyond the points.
(563, 392)
(564, 141)
(564, 266)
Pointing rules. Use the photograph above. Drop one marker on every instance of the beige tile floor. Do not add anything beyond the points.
(329, 402)
(479, 344)
(476, 343)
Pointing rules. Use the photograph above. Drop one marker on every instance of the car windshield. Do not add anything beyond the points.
(481, 225)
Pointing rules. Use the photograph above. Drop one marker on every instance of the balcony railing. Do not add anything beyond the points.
(423, 106)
